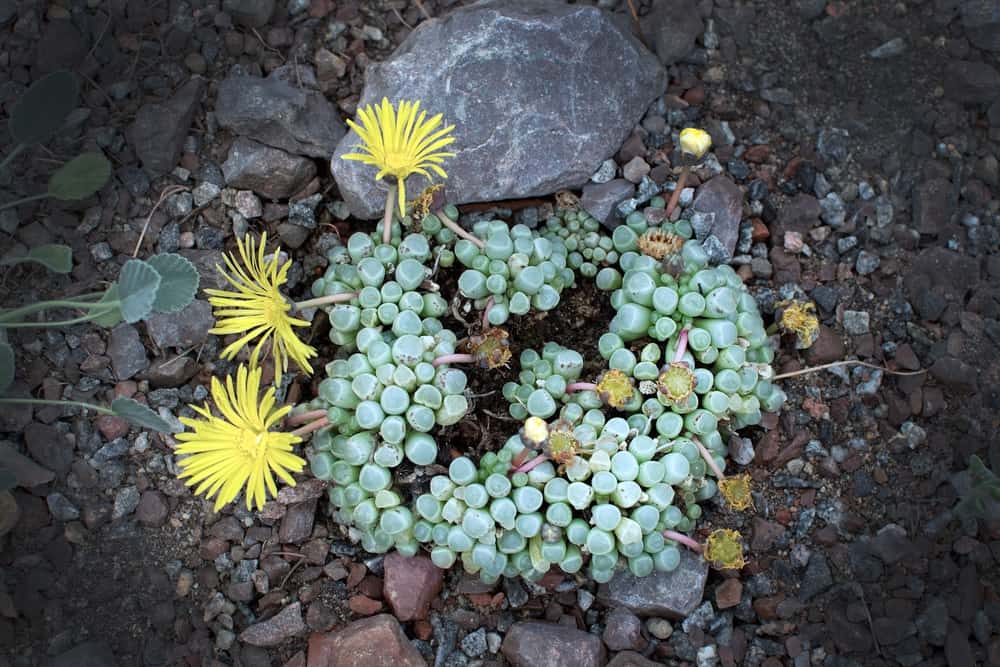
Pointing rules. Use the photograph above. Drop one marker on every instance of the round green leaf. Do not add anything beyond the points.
(139, 414)
(137, 287)
(114, 316)
(53, 256)
(80, 177)
(6, 366)
(43, 109)
(178, 282)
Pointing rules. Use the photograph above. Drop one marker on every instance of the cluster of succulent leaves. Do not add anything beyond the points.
(620, 460)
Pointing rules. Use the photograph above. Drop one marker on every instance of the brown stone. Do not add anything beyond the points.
(531, 644)
(371, 642)
(284, 625)
(363, 605)
(728, 593)
(827, 348)
(631, 659)
(410, 585)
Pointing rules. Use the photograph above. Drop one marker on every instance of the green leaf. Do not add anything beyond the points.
(139, 414)
(80, 177)
(137, 287)
(112, 317)
(53, 256)
(43, 109)
(6, 366)
(178, 282)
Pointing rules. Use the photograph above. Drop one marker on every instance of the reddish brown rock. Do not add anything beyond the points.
(284, 625)
(411, 584)
(728, 593)
(531, 644)
(371, 642)
(828, 347)
(363, 605)
(111, 427)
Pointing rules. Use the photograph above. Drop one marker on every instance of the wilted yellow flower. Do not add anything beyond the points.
(695, 142)
(221, 455)
(535, 430)
(676, 382)
(799, 317)
(736, 490)
(562, 446)
(724, 550)
(615, 388)
(400, 143)
(258, 309)
(659, 243)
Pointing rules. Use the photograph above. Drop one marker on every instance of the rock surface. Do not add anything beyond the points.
(410, 585)
(601, 200)
(720, 202)
(981, 20)
(270, 172)
(284, 625)
(672, 27)
(971, 82)
(669, 594)
(371, 642)
(278, 114)
(157, 134)
(185, 329)
(90, 654)
(550, 114)
(531, 643)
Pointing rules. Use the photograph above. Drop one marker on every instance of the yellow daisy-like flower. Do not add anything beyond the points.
(224, 454)
(695, 142)
(257, 308)
(400, 143)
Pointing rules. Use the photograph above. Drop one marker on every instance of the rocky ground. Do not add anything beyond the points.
(860, 137)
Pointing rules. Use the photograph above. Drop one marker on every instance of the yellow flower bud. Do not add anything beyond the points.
(535, 430)
(695, 142)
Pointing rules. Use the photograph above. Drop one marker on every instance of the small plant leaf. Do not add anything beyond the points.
(80, 177)
(6, 366)
(55, 257)
(178, 282)
(139, 414)
(42, 110)
(137, 285)
(114, 316)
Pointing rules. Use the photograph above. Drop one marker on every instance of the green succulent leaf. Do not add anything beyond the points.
(178, 282)
(80, 177)
(112, 317)
(55, 257)
(6, 366)
(137, 286)
(138, 414)
(43, 109)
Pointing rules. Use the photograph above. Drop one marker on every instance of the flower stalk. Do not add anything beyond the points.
(311, 427)
(303, 417)
(325, 300)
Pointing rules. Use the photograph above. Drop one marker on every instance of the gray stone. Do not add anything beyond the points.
(981, 20)
(126, 500)
(61, 508)
(91, 654)
(931, 205)
(286, 624)
(672, 28)
(816, 579)
(720, 203)
(26, 472)
(635, 170)
(276, 113)
(893, 47)
(531, 643)
(832, 143)
(600, 200)
(856, 322)
(866, 263)
(474, 643)
(528, 94)
(250, 13)
(8, 10)
(157, 134)
(128, 356)
(971, 82)
(605, 172)
(205, 193)
(666, 594)
(49, 447)
(270, 172)
(187, 328)
(623, 630)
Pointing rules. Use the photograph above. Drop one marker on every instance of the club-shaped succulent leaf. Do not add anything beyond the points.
(80, 177)
(138, 414)
(55, 257)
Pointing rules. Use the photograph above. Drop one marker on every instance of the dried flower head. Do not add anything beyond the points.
(400, 143)
(258, 309)
(799, 317)
(222, 455)
(676, 382)
(491, 348)
(736, 490)
(615, 388)
(431, 199)
(724, 550)
(567, 200)
(695, 142)
(562, 446)
(659, 243)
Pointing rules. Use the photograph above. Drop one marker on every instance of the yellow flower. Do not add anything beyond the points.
(536, 431)
(695, 142)
(222, 455)
(400, 144)
(615, 388)
(257, 308)
(799, 317)
(736, 490)
(724, 550)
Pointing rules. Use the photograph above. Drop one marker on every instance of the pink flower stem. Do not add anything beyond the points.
(453, 359)
(390, 206)
(454, 226)
(486, 313)
(325, 300)
(676, 196)
(683, 539)
(303, 417)
(682, 343)
(310, 427)
(530, 465)
(709, 459)
(580, 386)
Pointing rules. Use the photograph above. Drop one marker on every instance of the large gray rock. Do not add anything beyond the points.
(158, 131)
(718, 208)
(531, 643)
(540, 93)
(971, 82)
(270, 172)
(276, 113)
(128, 355)
(671, 28)
(669, 594)
(186, 328)
(600, 200)
(981, 19)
